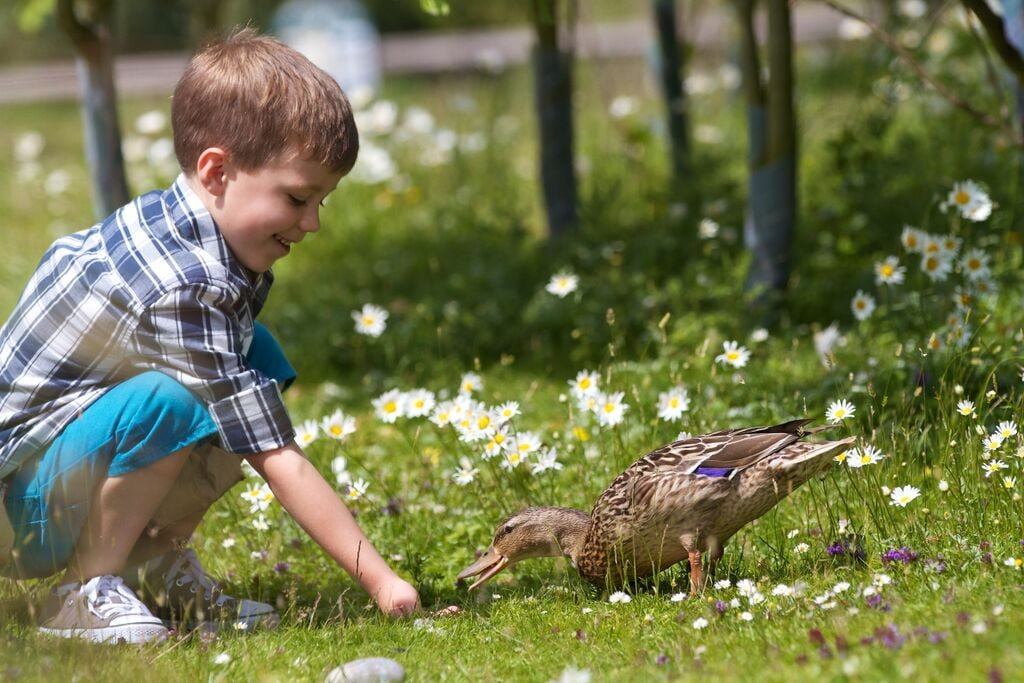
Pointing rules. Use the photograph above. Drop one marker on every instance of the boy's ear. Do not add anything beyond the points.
(211, 170)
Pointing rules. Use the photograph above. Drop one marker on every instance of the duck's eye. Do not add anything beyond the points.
(508, 529)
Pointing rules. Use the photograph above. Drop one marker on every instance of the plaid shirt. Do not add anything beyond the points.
(153, 287)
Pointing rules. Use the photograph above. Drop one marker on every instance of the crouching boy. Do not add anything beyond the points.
(134, 378)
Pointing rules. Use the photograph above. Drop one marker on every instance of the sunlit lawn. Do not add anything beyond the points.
(450, 249)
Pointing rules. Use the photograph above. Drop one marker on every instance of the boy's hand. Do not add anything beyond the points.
(397, 598)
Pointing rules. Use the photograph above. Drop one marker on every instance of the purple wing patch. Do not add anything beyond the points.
(713, 471)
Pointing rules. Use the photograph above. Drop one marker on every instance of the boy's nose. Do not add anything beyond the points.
(310, 222)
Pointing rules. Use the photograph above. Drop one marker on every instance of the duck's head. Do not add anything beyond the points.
(532, 532)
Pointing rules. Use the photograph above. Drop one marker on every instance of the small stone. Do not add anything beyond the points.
(368, 670)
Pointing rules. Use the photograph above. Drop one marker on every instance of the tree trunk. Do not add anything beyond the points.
(771, 218)
(671, 67)
(552, 68)
(102, 132)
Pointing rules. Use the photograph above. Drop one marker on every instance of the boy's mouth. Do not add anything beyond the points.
(283, 242)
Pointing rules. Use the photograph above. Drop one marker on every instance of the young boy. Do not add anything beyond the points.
(133, 378)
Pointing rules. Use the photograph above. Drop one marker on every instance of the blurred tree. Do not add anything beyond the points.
(671, 63)
(552, 69)
(1006, 34)
(87, 23)
(771, 124)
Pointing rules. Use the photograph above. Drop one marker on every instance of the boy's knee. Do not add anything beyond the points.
(155, 401)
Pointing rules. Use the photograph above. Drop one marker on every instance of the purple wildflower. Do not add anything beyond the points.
(891, 637)
(935, 565)
(282, 567)
(936, 637)
(837, 548)
(904, 555)
(721, 606)
(986, 558)
(874, 600)
(824, 652)
(815, 636)
(662, 660)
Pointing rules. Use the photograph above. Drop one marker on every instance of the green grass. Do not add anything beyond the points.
(453, 253)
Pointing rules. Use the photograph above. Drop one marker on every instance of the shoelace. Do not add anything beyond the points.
(187, 569)
(107, 597)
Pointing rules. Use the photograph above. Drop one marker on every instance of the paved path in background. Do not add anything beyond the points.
(412, 53)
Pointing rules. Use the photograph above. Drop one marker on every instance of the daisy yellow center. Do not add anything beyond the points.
(1017, 562)
(865, 460)
(911, 241)
(563, 282)
(609, 407)
(840, 412)
(861, 304)
(905, 498)
(962, 197)
(931, 263)
(887, 270)
(933, 342)
(580, 433)
(585, 383)
(524, 447)
(335, 429)
(483, 422)
(390, 407)
(499, 438)
(974, 264)
(368, 319)
(674, 403)
(513, 458)
(1008, 483)
(732, 355)
(842, 456)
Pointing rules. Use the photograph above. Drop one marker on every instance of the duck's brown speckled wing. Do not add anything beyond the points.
(734, 449)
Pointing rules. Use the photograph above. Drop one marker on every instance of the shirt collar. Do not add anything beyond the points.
(195, 224)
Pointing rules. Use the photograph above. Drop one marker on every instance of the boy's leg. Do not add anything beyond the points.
(171, 577)
(103, 475)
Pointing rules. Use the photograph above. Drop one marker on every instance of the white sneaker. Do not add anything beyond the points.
(102, 610)
(184, 595)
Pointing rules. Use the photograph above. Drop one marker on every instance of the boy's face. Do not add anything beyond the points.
(262, 212)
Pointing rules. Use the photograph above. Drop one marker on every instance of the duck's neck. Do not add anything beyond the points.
(571, 531)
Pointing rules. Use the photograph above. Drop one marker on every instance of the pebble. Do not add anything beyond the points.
(368, 670)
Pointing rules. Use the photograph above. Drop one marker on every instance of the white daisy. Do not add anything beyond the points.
(466, 472)
(371, 320)
(419, 403)
(912, 239)
(1007, 428)
(839, 411)
(936, 266)
(859, 457)
(305, 433)
(970, 200)
(337, 425)
(733, 354)
(889, 271)
(619, 597)
(470, 382)
(862, 305)
(356, 489)
(611, 408)
(902, 495)
(562, 284)
(673, 403)
(546, 460)
(390, 406)
(975, 264)
(585, 384)
(993, 466)
(965, 408)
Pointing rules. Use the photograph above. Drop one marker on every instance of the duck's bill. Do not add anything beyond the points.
(489, 564)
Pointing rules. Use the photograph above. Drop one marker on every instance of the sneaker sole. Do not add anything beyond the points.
(134, 634)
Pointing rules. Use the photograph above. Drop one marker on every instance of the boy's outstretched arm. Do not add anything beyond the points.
(317, 508)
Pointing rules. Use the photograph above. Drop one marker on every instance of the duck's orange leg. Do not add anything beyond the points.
(696, 573)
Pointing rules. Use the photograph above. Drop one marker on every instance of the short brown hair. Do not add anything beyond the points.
(256, 97)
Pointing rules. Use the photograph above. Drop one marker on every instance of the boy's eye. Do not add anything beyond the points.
(296, 201)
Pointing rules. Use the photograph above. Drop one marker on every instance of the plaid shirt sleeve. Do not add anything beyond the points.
(194, 334)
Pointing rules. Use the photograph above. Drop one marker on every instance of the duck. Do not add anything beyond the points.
(683, 501)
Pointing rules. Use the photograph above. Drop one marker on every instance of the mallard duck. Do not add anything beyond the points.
(682, 501)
